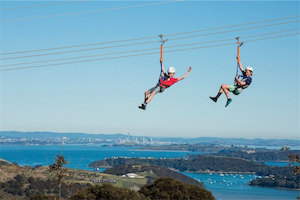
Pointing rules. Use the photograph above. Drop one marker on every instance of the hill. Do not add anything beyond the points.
(257, 155)
(163, 188)
(271, 176)
(197, 163)
(152, 172)
(18, 182)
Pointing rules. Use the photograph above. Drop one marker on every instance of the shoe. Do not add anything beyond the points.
(143, 106)
(228, 102)
(214, 99)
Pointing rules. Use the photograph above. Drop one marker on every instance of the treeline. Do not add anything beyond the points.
(260, 156)
(278, 180)
(31, 188)
(211, 148)
(164, 188)
(217, 164)
(255, 154)
(153, 173)
(192, 164)
(200, 163)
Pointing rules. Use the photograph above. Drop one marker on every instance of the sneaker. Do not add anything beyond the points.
(143, 106)
(228, 102)
(214, 99)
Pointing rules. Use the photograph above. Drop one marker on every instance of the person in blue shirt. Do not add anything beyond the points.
(239, 84)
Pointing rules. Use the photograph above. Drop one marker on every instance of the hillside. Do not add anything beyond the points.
(151, 172)
(162, 188)
(199, 163)
(18, 182)
(260, 155)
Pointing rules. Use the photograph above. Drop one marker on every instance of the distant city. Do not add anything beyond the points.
(47, 138)
(53, 138)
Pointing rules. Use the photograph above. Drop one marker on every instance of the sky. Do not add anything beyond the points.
(103, 96)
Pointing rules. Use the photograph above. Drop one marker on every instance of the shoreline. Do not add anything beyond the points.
(280, 188)
(161, 150)
(217, 172)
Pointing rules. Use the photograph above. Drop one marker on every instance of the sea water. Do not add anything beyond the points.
(223, 186)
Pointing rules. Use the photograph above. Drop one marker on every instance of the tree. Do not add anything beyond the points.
(59, 168)
(107, 191)
(293, 158)
(170, 189)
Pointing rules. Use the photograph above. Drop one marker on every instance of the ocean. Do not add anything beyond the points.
(223, 186)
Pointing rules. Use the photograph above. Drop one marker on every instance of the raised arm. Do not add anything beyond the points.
(238, 59)
(162, 67)
(161, 59)
(185, 75)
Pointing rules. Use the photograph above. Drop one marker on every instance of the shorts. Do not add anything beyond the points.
(156, 89)
(235, 90)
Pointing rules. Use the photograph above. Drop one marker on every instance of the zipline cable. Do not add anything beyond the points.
(88, 12)
(235, 25)
(235, 42)
(80, 50)
(41, 5)
(149, 49)
(242, 29)
(80, 45)
(208, 34)
(150, 37)
(116, 57)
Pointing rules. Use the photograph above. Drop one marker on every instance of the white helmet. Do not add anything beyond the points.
(249, 68)
(171, 70)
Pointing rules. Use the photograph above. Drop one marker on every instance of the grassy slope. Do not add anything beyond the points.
(9, 171)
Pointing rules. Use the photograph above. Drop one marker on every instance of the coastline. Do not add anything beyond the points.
(158, 150)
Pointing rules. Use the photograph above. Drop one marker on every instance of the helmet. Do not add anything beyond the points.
(249, 68)
(171, 70)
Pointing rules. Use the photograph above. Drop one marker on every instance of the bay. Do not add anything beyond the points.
(234, 187)
(79, 156)
(223, 187)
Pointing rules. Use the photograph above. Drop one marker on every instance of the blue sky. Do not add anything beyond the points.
(103, 96)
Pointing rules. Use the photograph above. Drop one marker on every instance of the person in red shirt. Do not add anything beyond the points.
(164, 82)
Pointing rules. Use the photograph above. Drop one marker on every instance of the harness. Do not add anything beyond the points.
(244, 78)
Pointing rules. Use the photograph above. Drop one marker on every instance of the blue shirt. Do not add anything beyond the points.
(246, 79)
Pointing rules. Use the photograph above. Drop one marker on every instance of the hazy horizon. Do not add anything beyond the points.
(125, 134)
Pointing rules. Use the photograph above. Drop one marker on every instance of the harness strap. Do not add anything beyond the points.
(161, 53)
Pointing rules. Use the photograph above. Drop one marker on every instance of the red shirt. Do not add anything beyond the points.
(168, 82)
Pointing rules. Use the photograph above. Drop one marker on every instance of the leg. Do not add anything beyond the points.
(215, 99)
(147, 99)
(225, 88)
(146, 95)
(150, 98)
